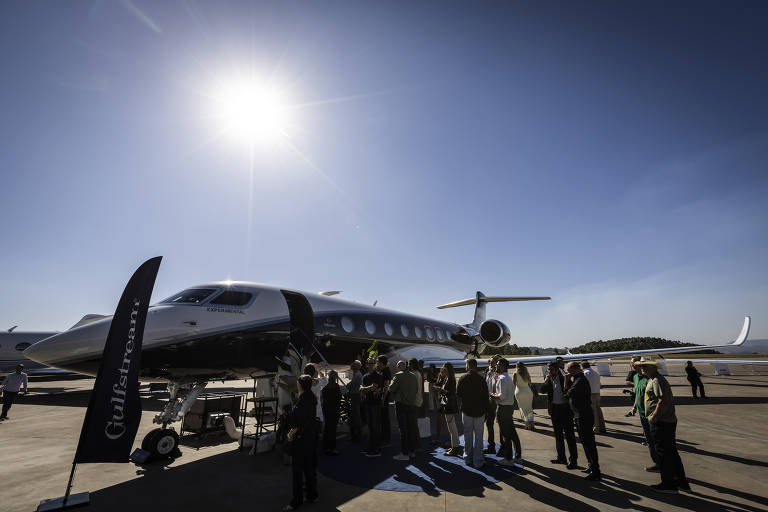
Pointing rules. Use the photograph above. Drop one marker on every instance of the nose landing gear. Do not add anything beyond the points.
(164, 442)
(161, 443)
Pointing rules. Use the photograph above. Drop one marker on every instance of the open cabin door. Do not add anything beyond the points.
(302, 317)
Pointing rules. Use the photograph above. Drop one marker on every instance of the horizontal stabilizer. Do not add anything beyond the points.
(87, 319)
(467, 302)
(330, 293)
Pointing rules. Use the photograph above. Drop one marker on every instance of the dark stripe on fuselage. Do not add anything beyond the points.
(254, 350)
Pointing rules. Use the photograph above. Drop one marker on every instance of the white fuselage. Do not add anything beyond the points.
(211, 338)
(12, 347)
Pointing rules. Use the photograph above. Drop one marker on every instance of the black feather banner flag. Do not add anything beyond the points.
(114, 410)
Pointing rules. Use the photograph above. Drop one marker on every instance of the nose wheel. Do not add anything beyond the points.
(161, 443)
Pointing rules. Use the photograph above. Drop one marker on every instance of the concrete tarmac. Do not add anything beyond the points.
(723, 441)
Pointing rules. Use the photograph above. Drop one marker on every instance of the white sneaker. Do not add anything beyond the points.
(401, 456)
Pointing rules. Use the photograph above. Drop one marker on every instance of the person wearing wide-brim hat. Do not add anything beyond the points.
(660, 410)
(640, 382)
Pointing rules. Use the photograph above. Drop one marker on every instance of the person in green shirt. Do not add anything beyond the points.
(660, 411)
(641, 381)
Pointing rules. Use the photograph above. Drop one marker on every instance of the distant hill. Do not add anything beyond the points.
(508, 350)
(635, 343)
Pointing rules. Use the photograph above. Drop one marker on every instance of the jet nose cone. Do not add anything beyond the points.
(40, 351)
(72, 346)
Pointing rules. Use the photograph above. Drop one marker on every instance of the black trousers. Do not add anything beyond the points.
(562, 423)
(508, 432)
(696, 383)
(8, 398)
(670, 463)
(304, 468)
(490, 418)
(373, 413)
(649, 438)
(355, 420)
(407, 422)
(331, 420)
(386, 426)
(585, 421)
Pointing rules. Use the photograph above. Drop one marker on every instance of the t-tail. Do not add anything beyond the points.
(487, 332)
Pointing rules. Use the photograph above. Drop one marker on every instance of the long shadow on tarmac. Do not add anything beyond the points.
(690, 447)
(725, 490)
(228, 481)
(233, 479)
(624, 494)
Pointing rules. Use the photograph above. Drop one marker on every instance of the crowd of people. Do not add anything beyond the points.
(482, 400)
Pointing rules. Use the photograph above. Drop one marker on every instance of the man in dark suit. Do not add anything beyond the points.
(562, 417)
(303, 436)
(579, 395)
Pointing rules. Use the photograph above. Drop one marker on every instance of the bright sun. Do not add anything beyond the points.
(252, 113)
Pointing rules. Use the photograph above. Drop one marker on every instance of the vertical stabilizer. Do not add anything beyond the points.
(479, 310)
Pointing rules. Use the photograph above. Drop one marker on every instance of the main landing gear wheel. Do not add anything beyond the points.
(161, 442)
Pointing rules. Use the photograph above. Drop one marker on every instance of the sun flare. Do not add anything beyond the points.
(252, 113)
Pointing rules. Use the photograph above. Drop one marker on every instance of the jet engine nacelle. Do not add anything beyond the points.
(494, 333)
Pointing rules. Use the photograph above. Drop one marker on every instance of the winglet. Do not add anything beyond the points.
(744, 332)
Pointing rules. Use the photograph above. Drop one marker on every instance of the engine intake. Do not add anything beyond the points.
(494, 333)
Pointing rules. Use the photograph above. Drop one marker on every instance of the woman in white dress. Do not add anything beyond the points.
(523, 393)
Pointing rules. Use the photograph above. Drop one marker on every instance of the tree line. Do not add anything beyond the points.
(616, 345)
(634, 343)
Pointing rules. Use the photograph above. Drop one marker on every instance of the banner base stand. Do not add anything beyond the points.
(140, 456)
(75, 500)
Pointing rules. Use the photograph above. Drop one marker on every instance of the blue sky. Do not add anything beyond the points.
(611, 155)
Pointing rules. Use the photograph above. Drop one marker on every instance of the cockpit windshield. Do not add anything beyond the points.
(190, 296)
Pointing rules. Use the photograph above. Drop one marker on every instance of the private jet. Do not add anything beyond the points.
(12, 346)
(226, 330)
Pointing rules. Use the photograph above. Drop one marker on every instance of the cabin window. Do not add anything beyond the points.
(404, 330)
(370, 327)
(22, 346)
(439, 333)
(430, 333)
(190, 296)
(388, 329)
(417, 331)
(232, 298)
(347, 324)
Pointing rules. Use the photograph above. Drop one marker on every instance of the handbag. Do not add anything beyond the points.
(448, 404)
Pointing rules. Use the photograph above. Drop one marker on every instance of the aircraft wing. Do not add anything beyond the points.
(605, 355)
(721, 361)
